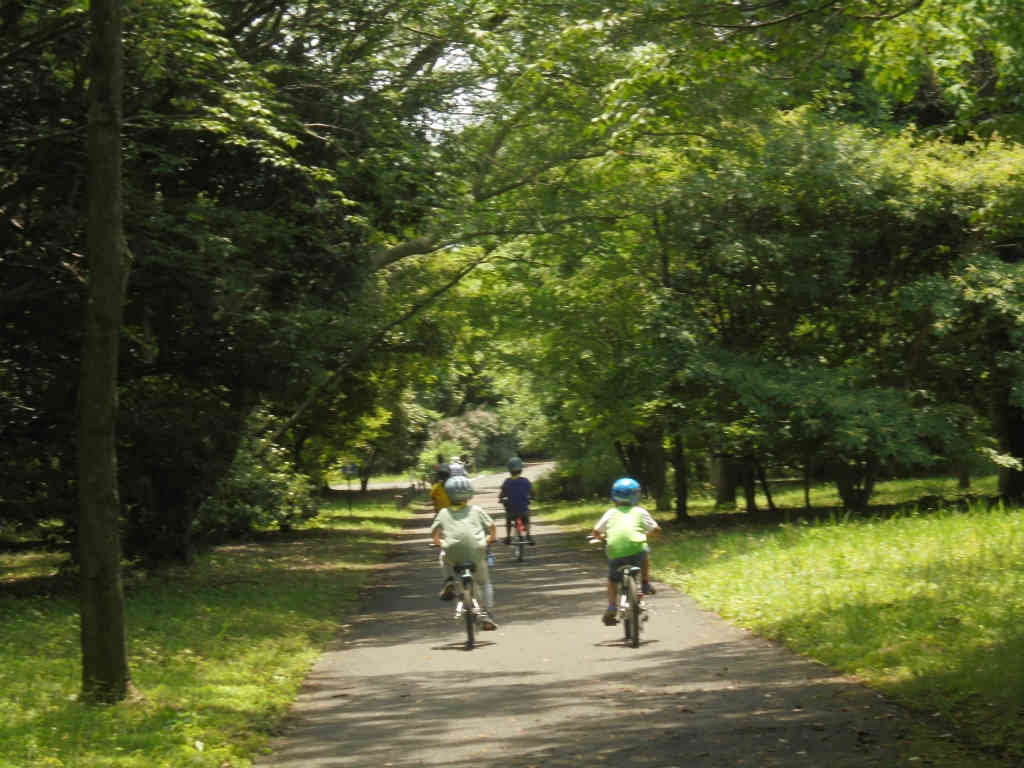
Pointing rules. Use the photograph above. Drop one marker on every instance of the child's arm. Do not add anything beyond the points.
(492, 535)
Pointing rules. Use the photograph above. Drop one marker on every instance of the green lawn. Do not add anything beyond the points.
(217, 651)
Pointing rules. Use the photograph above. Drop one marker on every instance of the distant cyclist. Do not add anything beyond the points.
(440, 500)
(625, 528)
(515, 494)
(464, 532)
(438, 497)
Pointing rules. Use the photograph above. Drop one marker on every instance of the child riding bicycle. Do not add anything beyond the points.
(464, 532)
(625, 528)
(515, 494)
(440, 500)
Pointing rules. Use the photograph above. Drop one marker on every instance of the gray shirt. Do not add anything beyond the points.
(463, 532)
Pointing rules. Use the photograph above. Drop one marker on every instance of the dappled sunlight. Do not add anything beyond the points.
(15, 566)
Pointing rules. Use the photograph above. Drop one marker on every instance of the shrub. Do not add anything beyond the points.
(261, 490)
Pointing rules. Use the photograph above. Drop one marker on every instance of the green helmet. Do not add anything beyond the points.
(515, 464)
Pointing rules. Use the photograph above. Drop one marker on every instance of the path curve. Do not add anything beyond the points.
(555, 687)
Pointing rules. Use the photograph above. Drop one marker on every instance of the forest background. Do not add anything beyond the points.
(705, 243)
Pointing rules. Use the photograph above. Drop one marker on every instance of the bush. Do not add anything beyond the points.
(261, 490)
(586, 476)
(477, 434)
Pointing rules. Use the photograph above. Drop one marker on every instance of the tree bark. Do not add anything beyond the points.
(105, 675)
(655, 467)
(681, 466)
(749, 479)
(763, 477)
(1010, 427)
(723, 469)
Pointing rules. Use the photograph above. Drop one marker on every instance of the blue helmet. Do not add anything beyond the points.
(515, 464)
(626, 490)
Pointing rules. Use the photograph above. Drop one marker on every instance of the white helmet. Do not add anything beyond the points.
(459, 488)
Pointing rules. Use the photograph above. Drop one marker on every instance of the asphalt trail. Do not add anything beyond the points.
(555, 687)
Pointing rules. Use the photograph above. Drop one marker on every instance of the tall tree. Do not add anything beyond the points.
(105, 674)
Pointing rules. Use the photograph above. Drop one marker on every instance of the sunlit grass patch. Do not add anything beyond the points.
(571, 516)
(16, 566)
(217, 651)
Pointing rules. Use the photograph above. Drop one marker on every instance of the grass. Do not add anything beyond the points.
(217, 651)
(925, 606)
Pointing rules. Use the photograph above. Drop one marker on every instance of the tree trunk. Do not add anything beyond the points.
(807, 485)
(1010, 426)
(723, 469)
(655, 466)
(963, 477)
(762, 476)
(749, 479)
(631, 463)
(681, 466)
(644, 460)
(104, 655)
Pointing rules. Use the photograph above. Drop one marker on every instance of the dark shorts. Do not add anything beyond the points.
(512, 515)
(616, 563)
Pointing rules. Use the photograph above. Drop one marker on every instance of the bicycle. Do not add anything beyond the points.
(468, 607)
(521, 539)
(632, 608)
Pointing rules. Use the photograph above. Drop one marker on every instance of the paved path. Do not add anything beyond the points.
(555, 687)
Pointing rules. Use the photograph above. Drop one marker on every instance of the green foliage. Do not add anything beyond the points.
(477, 434)
(582, 477)
(261, 490)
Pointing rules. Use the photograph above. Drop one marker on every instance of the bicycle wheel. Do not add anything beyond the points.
(469, 612)
(624, 606)
(633, 612)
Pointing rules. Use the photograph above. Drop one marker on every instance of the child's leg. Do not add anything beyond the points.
(446, 570)
(483, 579)
(613, 594)
(645, 574)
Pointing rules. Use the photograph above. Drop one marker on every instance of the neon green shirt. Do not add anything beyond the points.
(625, 530)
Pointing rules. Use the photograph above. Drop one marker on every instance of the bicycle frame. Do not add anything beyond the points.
(468, 608)
(632, 607)
(521, 540)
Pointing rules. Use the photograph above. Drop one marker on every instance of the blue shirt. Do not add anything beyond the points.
(516, 491)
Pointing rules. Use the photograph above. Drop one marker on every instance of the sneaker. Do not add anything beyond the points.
(647, 588)
(609, 617)
(448, 590)
(487, 622)
(530, 541)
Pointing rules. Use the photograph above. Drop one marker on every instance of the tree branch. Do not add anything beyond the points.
(370, 343)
